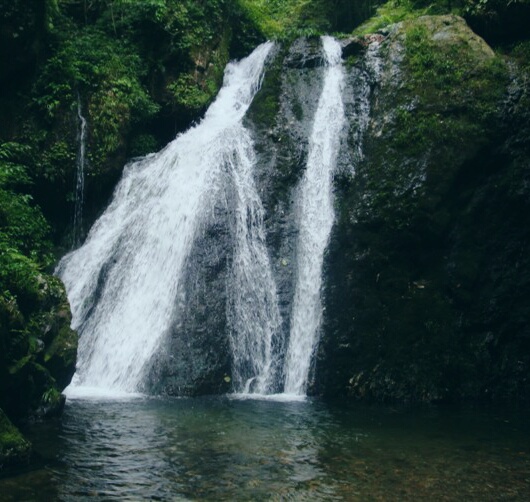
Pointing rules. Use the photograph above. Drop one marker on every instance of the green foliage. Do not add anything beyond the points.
(287, 19)
(22, 225)
(30, 327)
(492, 19)
(24, 250)
(521, 53)
(395, 11)
(125, 60)
(188, 23)
(107, 75)
(51, 397)
(14, 448)
(389, 13)
(12, 173)
(463, 85)
(489, 7)
(193, 92)
(143, 144)
(56, 161)
(187, 92)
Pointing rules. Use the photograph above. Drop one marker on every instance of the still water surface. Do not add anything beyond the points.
(230, 449)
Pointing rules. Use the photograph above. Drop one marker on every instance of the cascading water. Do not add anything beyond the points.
(123, 282)
(254, 314)
(316, 218)
(79, 178)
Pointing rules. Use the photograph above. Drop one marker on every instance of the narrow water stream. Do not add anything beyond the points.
(229, 449)
(315, 221)
(77, 227)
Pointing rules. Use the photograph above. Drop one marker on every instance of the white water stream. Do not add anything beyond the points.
(316, 216)
(79, 178)
(123, 282)
(254, 314)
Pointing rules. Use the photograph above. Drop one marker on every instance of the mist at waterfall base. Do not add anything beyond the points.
(126, 282)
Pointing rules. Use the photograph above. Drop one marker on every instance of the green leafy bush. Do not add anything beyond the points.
(107, 75)
(22, 226)
(286, 19)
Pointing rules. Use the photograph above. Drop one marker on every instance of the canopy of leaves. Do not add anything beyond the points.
(23, 228)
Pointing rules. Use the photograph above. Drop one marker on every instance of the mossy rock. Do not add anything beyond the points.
(420, 264)
(38, 349)
(439, 98)
(15, 450)
(60, 357)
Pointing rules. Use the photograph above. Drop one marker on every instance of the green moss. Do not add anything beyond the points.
(388, 14)
(453, 86)
(287, 19)
(266, 105)
(442, 54)
(409, 263)
(15, 450)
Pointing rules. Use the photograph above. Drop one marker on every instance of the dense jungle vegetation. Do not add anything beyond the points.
(139, 71)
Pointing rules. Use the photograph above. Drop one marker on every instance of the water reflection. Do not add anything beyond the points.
(226, 449)
(204, 448)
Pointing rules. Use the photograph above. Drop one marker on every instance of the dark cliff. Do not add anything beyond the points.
(427, 291)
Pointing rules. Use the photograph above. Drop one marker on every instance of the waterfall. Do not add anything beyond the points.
(254, 314)
(77, 230)
(316, 218)
(124, 281)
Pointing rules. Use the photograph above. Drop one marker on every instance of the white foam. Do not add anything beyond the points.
(99, 394)
(282, 398)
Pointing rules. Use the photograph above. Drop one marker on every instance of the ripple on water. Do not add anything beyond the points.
(240, 449)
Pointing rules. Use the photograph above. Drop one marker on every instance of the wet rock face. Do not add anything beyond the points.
(37, 360)
(194, 358)
(39, 349)
(304, 53)
(281, 118)
(425, 292)
(424, 281)
(15, 451)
